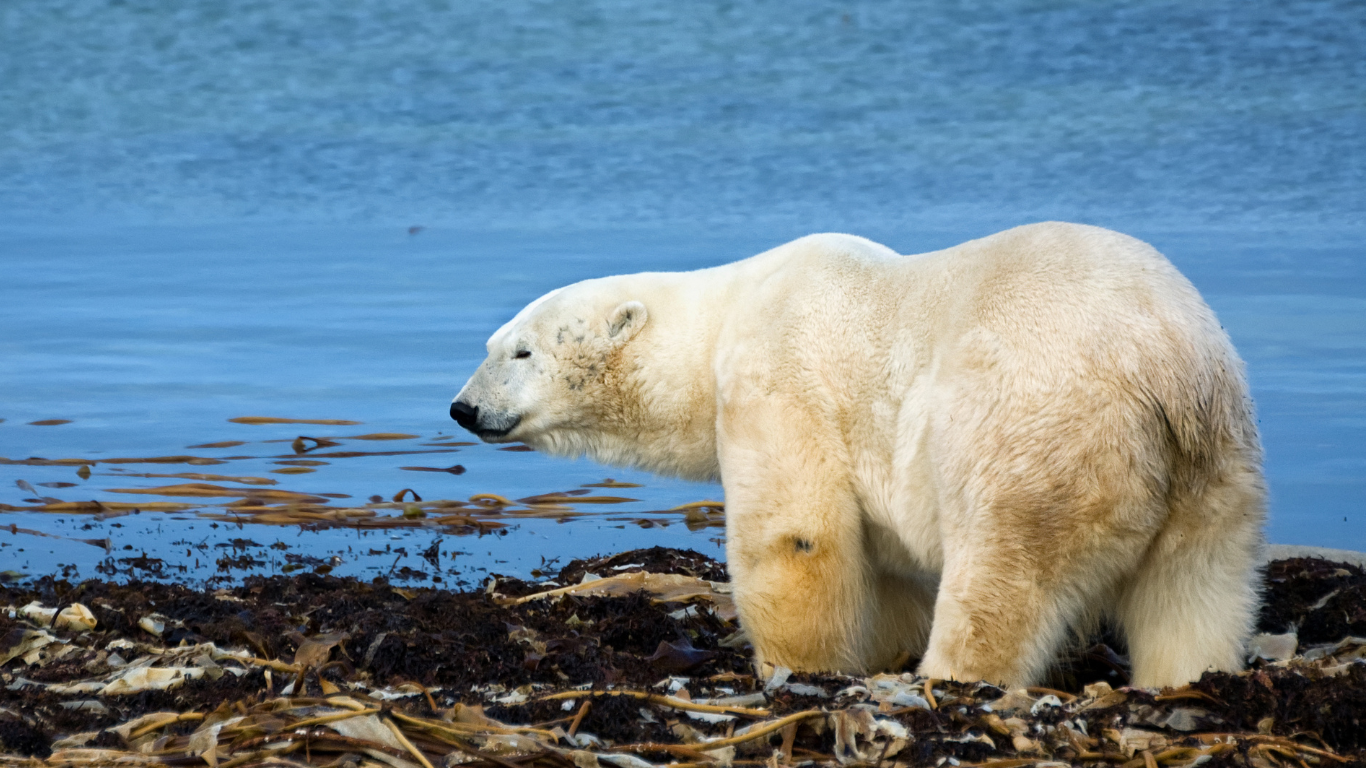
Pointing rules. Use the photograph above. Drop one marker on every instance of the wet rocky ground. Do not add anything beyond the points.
(630, 660)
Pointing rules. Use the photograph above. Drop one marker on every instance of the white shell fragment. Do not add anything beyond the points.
(1273, 647)
(30, 642)
(153, 624)
(777, 680)
(138, 679)
(709, 717)
(1047, 701)
(76, 617)
(36, 613)
(897, 691)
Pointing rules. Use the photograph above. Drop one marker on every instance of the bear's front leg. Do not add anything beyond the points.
(806, 591)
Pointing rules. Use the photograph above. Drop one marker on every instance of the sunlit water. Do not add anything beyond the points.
(205, 213)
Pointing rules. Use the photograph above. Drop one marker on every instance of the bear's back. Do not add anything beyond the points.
(853, 327)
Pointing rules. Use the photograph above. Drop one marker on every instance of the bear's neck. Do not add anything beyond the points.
(662, 416)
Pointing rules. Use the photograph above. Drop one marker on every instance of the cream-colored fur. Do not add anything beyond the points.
(969, 454)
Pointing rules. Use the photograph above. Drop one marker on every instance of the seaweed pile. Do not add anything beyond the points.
(625, 661)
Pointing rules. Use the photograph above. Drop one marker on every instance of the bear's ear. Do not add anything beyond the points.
(626, 320)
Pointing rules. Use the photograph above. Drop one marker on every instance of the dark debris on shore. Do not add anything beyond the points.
(631, 660)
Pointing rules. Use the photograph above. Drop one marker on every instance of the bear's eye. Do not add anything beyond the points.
(522, 354)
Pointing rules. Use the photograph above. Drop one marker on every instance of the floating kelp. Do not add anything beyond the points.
(100, 507)
(236, 496)
(629, 661)
(264, 507)
(274, 420)
(15, 530)
(36, 461)
(209, 490)
(355, 454)
(456, 469)
(202, 476)
(304, 444)
(574, 497)
(267, 506)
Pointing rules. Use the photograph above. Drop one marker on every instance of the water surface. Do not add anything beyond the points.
(321, 210)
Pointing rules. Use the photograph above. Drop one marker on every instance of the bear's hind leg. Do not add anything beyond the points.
(997, 624)
(1023, 576)
(1190, 607)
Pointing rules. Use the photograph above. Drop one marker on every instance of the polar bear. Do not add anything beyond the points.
(968, 455)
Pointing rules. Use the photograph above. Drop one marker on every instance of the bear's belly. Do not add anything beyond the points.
(900, 522)
(889, 555)
(894, 481)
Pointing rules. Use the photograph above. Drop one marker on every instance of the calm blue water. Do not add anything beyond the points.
(205, 213)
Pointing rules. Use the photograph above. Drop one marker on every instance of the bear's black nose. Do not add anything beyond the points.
(464, 415)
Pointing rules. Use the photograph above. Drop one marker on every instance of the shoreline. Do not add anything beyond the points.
(635, 659)
(1289, 551)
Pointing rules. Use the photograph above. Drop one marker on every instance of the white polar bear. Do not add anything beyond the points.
(967, 455)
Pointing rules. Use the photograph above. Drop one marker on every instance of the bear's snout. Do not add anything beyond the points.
(465, 415)
(488, 425)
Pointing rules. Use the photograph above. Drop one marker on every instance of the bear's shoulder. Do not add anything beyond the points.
(835, 248)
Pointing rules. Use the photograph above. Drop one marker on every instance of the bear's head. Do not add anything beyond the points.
(555, 376)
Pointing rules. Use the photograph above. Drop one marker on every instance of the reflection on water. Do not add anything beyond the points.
(321, 210)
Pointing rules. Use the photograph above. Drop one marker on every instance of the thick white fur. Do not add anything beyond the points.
(967, 455)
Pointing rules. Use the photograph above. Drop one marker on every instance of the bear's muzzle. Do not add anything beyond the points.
(467, 416)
